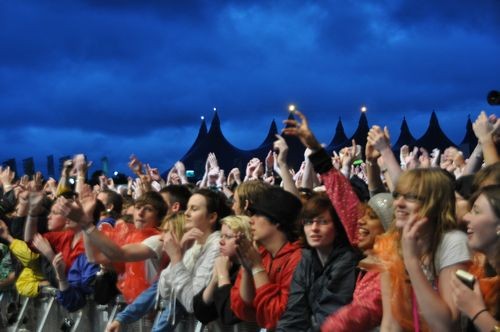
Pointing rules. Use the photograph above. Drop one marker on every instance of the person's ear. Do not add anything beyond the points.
(212, 217)
(176, 207)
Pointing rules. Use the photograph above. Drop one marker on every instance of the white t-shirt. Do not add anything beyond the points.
(152, 265)
(453, 249)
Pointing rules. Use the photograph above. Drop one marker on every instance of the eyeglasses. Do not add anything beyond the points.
(317, 220)
(408, 197)
(227, 236)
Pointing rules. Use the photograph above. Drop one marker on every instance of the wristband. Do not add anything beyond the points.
(222, 276)
(477, 314)
(257, 270)
(89, 229)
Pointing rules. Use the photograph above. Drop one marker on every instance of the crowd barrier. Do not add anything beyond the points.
(44, 314)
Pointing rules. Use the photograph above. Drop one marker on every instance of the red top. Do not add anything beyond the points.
(61, 242)
(270, 299)
(344, 200)
(365, 310)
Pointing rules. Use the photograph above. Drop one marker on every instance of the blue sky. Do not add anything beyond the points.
(111, 78)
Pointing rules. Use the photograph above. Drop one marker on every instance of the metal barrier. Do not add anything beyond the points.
(44, 314)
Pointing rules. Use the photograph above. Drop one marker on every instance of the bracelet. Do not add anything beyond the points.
(495, 328)
(477, 314)
(89, 229)
(222, 276)
(258, 270)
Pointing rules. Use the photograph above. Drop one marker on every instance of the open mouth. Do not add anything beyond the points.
(363, 232)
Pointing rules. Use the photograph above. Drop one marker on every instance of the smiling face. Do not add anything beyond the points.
(406, 205)
(482, 225)
(369, 226)
(320, 231)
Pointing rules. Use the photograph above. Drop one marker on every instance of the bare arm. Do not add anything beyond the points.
(381, 142)
(475, 160)
(34, 211)
(133, 252)
(286, 177)
(388, 321)
(484, 128)
(375, 184)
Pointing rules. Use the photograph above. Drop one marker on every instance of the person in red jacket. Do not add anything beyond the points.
(260, 293)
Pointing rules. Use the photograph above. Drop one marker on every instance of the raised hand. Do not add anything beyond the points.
(411, 161)
(35, 201)
(190, 237)
(371, 153)
(153, 173)
(213, 164)
(435, 154)
(59, 266)
(404, 152)
(247, 254)
(348, 155)
(43, 246)
(251, 167)
(6, 177)
(181, 171)
(81, 165)
(67, 168)
(173, 177)
(302, 131)
(172, 247)
(269, 162)
(410, 237)
(282, 148)
(484, 126)
(221, 179)
(103, 182)
(379, 139)
(135, 165)
(425, 161)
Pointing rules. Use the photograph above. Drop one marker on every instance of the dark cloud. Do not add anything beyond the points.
(94, 75)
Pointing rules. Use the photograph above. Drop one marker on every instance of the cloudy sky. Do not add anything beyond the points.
(111, 78)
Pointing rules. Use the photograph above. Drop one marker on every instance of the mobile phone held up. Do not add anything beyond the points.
(465, 277)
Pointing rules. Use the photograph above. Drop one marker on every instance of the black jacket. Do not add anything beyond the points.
(317, 291)
(221, 307)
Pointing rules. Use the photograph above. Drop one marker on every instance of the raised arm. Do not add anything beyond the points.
(484, 128)
(282, 148)
(380, 140)
(35, 209)
(375, 184)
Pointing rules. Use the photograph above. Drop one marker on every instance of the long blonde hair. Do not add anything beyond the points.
(435, 190)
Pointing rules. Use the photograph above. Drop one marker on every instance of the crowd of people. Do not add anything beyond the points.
(357, 241)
